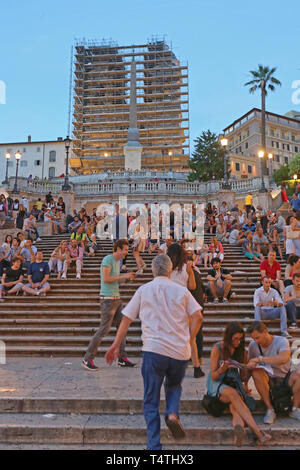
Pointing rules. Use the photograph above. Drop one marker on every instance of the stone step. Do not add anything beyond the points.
(123, 429)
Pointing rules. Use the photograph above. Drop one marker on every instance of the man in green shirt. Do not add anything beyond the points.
(110, 304)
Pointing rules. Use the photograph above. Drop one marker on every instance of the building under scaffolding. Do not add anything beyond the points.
(101, 106)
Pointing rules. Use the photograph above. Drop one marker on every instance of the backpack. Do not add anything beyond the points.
(281, 396)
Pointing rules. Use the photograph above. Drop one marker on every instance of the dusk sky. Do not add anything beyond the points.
(221, 41)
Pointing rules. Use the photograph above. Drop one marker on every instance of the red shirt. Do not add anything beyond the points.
(270, 270)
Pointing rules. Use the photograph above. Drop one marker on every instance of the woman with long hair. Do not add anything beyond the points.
(232, 347)
(183, 274)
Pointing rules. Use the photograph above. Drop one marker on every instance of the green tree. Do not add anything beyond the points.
(282, 174)
(294, 166)
(208, 158)
(263, 79)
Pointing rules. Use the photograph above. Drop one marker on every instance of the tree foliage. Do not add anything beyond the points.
(208, 158)
(294, 166)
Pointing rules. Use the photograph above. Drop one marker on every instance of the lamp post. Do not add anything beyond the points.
(18, 156)
(271, 179)
(7, 156)
(105, 156)
(66, 186)
(170, 160)
(261, 154)
(295, 183)
(224, 143)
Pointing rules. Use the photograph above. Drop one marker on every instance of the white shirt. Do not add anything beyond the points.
(164, 248)
(261, 297)
(164, 309)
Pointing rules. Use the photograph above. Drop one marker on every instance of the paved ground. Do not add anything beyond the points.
(65, 378)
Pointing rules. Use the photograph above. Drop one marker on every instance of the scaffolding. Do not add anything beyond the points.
(101, 105)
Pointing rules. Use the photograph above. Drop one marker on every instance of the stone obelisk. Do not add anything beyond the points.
(133, 148)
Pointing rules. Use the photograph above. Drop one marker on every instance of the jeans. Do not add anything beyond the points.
(30, 234)
(110, 311)
(155, 369)
(292, 311)
(262, 313)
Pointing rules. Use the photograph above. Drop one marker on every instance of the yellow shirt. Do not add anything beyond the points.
(248, 200)
(39, 205)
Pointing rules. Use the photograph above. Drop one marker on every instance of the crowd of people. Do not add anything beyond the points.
(172, 322)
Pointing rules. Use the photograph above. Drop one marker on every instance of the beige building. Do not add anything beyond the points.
(244, 134)
(101, 106)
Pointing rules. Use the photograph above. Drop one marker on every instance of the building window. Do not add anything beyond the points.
(296, 149)
(51, 172)
(277, 158)
(246, 145)
(277, 145)
(23, 162)
(52, 156)
(38, 149)
(24, 149)
(10, 163)
(249, 169)
(286, 160)
(37, 162)
(237, 167)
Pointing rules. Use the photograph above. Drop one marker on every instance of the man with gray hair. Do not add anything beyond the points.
(170, 319)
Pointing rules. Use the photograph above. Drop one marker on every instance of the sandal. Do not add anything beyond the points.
(265, 439)
(239, 435)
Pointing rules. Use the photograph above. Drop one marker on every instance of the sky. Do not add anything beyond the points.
(221, 41)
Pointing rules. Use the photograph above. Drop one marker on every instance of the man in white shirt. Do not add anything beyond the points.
(170, 319)
(269, 305)
(164, 247)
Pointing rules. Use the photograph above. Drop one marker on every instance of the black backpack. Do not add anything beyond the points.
(281, 396)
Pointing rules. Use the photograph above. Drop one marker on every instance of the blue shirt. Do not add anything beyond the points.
(246, 228)
(38, 271)
(295, 203)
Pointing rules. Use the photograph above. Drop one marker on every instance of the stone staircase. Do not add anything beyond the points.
(63, 323)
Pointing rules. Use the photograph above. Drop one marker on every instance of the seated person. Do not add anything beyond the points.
(59, 259)
(80, 236)
(76, 256)
(29, 226)
(275, 242)
(92, 245)
(27, 253)
(73, 226)
(164, 246)
(269, 305)
(38, 276)
(292, 300)
(232, 347)
(219, 281)
(270, 359)
(293, 266)
(249, 226)
(236, 236)
(248, 248)
(261, 242)
(201, 255)
(216, 249)
(271, 268)
(12, 278)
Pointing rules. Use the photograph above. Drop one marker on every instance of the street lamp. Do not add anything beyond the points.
(295, 184)
(270, 155)
(224, 143)
(261, 154)
(18, 156)
(7, 156)
(170, 160)
(66, 186)
(105, 155)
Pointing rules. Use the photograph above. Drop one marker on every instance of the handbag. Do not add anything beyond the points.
(292, 234)
(213, 405)
(233, 380)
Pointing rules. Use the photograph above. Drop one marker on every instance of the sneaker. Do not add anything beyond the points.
(78, 276)
(198, 373)
(233, 294)
(216, 300)
(124, 268)
(293, 326)
(286, 335)
(139, 271)
(295, 413)
(38, 240)
(224, 300)
(124, 362)
(269, 417)
(63, 276)
(89, 365)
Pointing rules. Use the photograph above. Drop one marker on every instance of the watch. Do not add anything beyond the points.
(261, 359)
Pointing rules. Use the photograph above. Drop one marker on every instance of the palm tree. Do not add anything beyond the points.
(263, 78)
